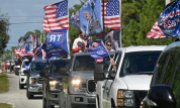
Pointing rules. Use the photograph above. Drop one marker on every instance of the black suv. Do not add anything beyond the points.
(165, 86)
(34, 80)
(54, 75)
(81, 77)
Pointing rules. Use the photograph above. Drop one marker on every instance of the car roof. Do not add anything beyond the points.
(143, 48)
(172, 45)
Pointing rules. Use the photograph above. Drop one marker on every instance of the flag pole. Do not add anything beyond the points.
(120, 10)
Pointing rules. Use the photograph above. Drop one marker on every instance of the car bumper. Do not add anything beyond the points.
(82, 100)
(36, 89)
(53, 98)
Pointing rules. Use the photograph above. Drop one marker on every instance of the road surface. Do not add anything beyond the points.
(17, 97)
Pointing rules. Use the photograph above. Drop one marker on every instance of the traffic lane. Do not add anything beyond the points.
(17, 97)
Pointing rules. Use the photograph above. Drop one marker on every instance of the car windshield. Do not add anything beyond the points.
(83, 63)
(37, 66)
(139, 63)
(59, 67)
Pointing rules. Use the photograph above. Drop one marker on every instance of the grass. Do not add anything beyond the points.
(4, 87)
(4, 83)
(4, 105)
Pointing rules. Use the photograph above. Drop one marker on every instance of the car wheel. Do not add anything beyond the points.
(46, 104)
(29, 95)
(21, 86)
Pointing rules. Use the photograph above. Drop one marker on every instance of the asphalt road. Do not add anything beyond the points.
(17, 97)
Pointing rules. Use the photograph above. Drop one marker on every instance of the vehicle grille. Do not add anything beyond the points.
(91, 86)
(139, 96)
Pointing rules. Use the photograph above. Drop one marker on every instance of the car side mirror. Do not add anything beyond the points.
(162, 96)
(99, 72)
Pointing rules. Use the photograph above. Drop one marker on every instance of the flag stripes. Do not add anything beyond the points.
(56, 16)
(155, 32)
(111, 14)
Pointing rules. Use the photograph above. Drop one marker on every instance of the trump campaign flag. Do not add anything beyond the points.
(155, 32)
(56, 44)
(56, 16)
(98, 52)
(112, 14)
(91, 17)
(169, 20)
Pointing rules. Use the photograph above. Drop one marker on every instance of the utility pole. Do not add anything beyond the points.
(167, 1)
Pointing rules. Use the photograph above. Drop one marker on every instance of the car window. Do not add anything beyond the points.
(83, 63)
(139, 63)
(176, 86)
(116, 57)
(59, 67)
(37, 66)
(165, 68)
(176, 78)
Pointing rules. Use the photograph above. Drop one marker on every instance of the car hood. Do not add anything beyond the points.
(83, 75)
(137, 82)
(56, 77)
(35, 75)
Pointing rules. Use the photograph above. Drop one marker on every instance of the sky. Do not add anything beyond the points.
(22, 11)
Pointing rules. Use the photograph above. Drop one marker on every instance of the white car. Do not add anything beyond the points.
(22, 73)
(128, 85)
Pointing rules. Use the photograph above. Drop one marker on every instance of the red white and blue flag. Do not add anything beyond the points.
(169, 20)
(155, 32)
(56, 16)
(112, 14)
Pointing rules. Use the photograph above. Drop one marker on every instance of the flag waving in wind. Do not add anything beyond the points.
(169, 20)
(56, 16)
(98, 52)
(112, 14)
(56, 44)
(155, 32)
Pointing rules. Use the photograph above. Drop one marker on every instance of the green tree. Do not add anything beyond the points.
(4, 36)
(138, 17)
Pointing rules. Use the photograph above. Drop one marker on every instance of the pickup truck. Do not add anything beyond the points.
(127, 85)
(80, 78)
(54, 77)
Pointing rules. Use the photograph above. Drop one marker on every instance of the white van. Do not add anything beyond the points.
(128, 85)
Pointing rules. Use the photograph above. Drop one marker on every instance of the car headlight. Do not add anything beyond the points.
(125, 98)
(55, 85)
(76, 83)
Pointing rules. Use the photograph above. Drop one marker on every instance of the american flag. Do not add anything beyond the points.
(155, 32)
(112, 14)
(56, 16)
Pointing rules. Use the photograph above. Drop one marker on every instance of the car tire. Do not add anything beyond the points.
(21, 86)
(29, 95)
(46, 104)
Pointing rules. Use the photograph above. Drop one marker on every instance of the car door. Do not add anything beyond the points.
(108, 83)
(176, 76)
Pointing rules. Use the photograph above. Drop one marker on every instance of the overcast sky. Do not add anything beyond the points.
(22, 11)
